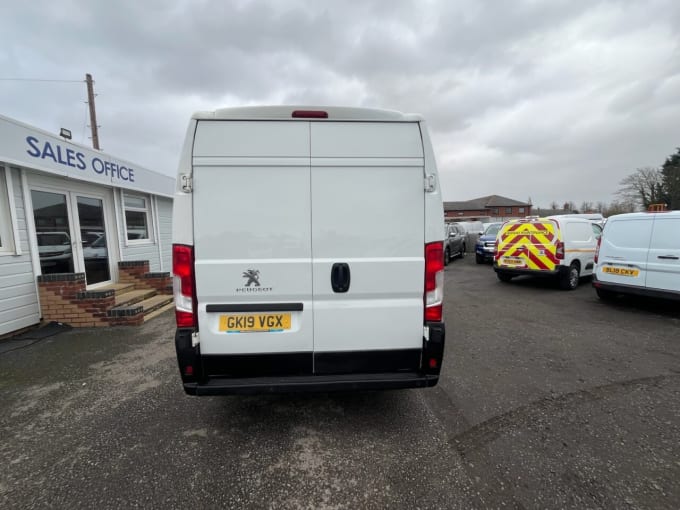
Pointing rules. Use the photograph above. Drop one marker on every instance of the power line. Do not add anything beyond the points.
(42, 80)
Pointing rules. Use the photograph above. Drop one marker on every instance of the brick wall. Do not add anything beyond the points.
(137, 273)
(63, 298)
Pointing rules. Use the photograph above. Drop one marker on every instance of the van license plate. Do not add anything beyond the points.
(512, 261)
(255, 322)
(620, 271)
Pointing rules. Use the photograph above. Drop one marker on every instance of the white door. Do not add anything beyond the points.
(663, 262)
(72, 233)
(367, 236)
(252, 237)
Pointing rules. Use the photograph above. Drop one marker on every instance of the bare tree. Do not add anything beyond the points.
(619, 207)
(586, 207)
(554, 205)
(642, 188)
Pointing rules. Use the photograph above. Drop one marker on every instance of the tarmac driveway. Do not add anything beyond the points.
(548, 399)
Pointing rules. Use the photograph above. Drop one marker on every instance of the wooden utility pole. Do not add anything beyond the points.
(93, 114)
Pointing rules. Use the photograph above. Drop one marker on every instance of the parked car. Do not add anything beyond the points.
(639, 253)
(562, 247)
(55, 252)
(97, 249)
(455, 238)
(54, 248)
(485, 245)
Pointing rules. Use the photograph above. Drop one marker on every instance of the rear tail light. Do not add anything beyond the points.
(559, 251)
(434, 281)
(597, 249)
(183, 285)
(495, 249)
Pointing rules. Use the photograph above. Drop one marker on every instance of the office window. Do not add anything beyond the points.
(508, 210)
(6, 235)
(520, 210)
(137, 217)
(494, 211)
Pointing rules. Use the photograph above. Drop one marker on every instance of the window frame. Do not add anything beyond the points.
(8, 222)
(149, 218)
(508, 210)
(520, 210)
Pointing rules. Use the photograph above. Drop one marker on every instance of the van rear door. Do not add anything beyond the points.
(530, 244)
(252, 237)
(367, 181)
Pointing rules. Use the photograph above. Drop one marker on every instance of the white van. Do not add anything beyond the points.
(560, 247)
(639, 253)
(307, 251)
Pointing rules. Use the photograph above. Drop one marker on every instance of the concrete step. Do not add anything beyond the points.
(119, 288)
(159, 311)
(133, 296)
(153, 303)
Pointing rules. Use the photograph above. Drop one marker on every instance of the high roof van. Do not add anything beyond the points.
(560, 247)
(307, 251)
(639, 253)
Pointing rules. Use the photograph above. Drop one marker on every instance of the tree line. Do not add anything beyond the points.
(650, 185)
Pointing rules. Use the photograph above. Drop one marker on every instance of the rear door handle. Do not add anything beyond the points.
(340, 277)
(668, 257)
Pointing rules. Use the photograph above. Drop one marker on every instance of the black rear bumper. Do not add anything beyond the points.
(307, 371)
(558, 271)
(310, 383)
(619, 288)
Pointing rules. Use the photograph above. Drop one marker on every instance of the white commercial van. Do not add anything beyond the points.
(639, 253)
(307, 251)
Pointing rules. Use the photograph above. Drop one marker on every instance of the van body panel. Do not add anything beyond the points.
(260, 139)
(237, 235)
(528, 245)
(663, 260)
(374, 228)
(625, 246)
(366, 140)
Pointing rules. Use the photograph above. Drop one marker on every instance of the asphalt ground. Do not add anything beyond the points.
(548, 399)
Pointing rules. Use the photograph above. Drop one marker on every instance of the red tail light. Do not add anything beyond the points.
(183, 285)
(597, 249)
(559, 251)
(434, 281)
(310, 114)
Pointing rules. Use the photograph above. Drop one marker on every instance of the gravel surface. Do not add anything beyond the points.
(548, 399)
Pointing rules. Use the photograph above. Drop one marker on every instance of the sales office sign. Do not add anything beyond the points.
(22, 145)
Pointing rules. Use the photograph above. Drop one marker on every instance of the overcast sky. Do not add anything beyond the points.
(552, 100)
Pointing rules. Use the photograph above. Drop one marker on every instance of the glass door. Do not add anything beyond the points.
(71, 234)
(53, 232)
(93, 239)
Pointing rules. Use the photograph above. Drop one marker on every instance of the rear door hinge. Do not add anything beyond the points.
(187, 183)
(430, 183)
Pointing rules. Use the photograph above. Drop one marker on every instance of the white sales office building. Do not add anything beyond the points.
(65, 208)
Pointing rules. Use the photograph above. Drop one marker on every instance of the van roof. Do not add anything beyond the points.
(645, 214)
(286, 112)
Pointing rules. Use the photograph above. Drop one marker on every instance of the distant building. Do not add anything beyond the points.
(489, 208)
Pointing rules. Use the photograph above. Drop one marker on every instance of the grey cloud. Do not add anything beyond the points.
(568, 95)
